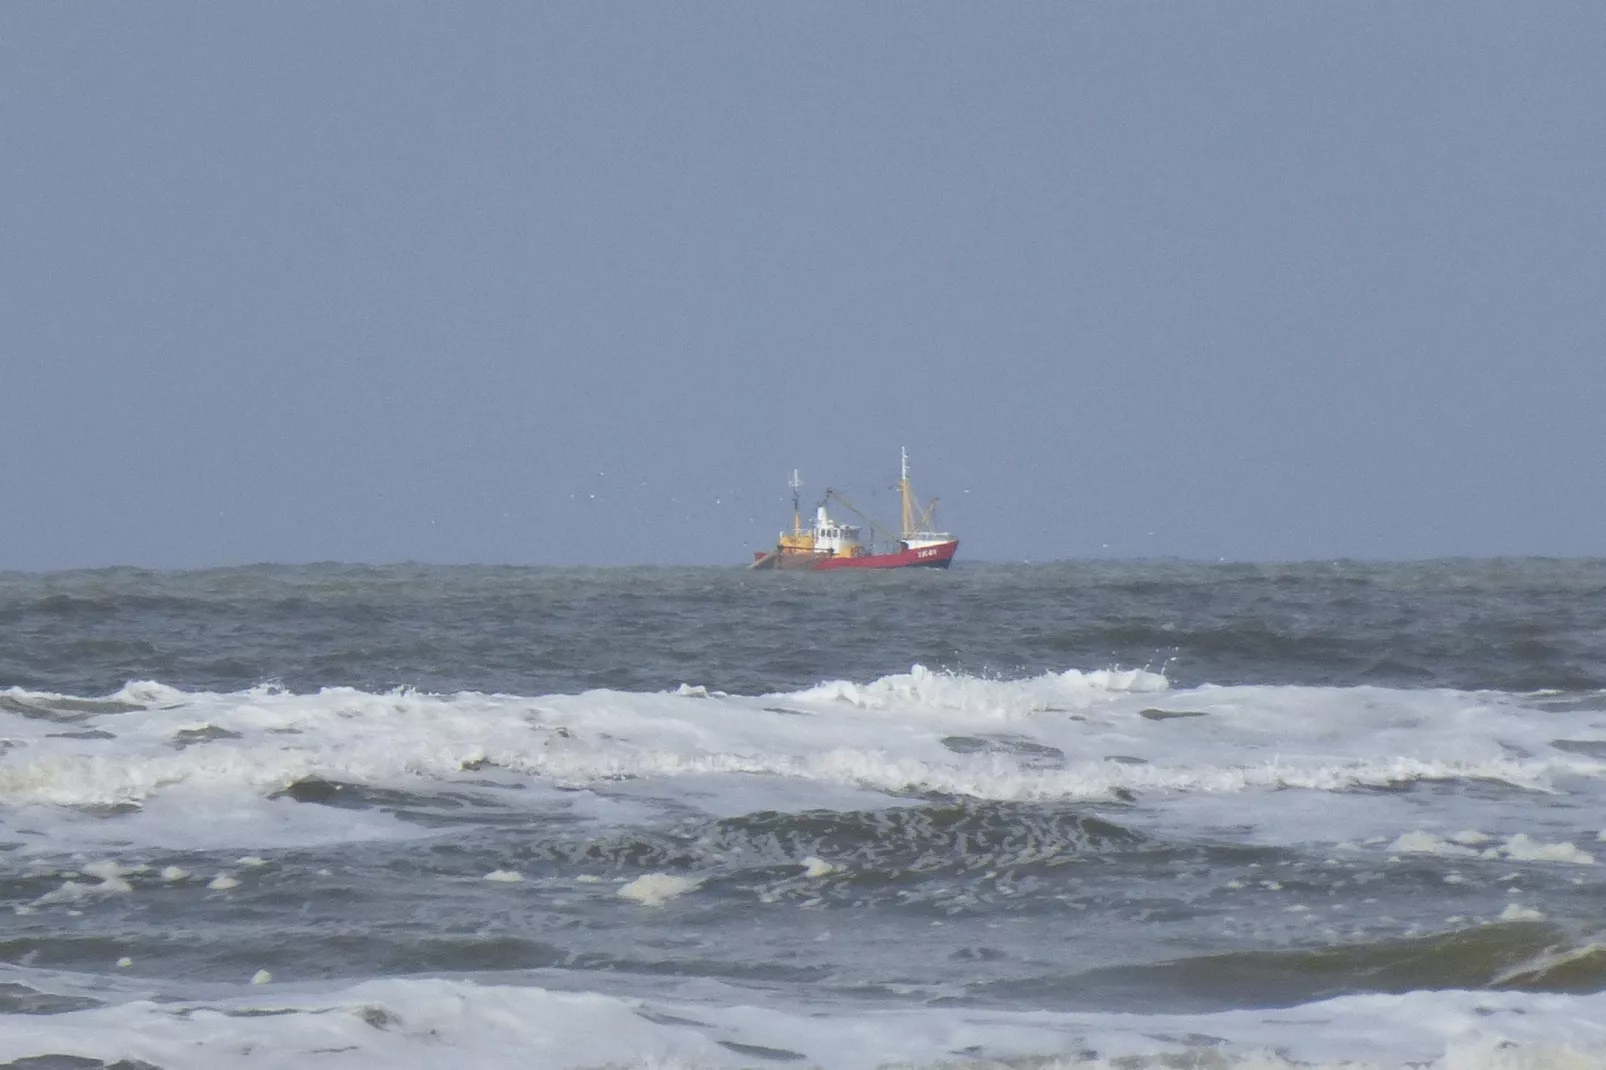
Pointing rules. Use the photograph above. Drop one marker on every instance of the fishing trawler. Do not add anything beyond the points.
(828, 543)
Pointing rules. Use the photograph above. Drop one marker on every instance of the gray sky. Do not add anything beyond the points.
(582, 283)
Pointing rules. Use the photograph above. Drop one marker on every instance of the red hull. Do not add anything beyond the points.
(936, 556)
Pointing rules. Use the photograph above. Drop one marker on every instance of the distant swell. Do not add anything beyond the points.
(1519, 956)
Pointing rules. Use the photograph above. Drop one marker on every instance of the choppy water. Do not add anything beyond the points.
(1082, 815)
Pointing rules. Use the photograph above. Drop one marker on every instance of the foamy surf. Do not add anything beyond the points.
(394, 1023)
(149, 754)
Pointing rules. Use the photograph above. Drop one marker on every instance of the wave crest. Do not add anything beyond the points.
(1050, 692)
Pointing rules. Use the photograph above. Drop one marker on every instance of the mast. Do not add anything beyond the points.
(796, 483)
(904, 492)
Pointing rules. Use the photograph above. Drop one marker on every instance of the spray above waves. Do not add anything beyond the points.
(924, 689)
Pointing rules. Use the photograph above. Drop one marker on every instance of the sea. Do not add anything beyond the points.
(1096, 815)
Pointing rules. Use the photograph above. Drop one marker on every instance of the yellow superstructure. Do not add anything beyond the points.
(823, 539)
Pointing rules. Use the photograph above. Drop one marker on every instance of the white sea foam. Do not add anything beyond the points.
(928, 691)
(503, 876)
(73, 892)
(1420, 842)
(1518, 912)
(1524, 849)
(911, 733)
(428, 1022)
(1519, 848)
(656, 889)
